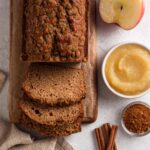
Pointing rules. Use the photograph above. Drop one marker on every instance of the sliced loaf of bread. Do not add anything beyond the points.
(56, 131)
(52, 116)
(54, 85)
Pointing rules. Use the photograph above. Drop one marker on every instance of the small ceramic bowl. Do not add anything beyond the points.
(104, 75)
(122, 122)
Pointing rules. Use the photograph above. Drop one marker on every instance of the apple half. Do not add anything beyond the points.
(125, 13)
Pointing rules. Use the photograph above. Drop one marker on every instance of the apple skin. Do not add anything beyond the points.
(140, 18)
(142, 14)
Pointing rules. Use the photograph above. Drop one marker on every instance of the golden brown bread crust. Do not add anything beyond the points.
(56, 31)
(46, 130)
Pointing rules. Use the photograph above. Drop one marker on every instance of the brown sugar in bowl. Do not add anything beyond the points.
(136, 119)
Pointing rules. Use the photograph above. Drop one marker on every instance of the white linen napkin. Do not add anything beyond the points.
(11, 138)
(2, 79)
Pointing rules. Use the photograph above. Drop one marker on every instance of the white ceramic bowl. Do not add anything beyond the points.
(104, 75)
(122, 122)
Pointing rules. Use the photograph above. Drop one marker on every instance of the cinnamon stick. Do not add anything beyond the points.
(98, 139)
(102, 138)
(106, 137)
(111, 141)
(109, 129)
(106, 128)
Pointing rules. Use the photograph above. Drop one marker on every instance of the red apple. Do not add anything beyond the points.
(125, 13)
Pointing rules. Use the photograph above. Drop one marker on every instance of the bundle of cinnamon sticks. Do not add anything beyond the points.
(106, 135)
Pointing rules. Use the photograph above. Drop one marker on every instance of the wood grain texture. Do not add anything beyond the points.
(18, 68)
(91, 100)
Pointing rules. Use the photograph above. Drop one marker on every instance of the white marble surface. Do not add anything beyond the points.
(110, 106)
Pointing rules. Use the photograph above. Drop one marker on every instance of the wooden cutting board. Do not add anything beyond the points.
(18, 68)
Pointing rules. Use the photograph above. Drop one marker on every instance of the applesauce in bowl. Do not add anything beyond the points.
(126, 70)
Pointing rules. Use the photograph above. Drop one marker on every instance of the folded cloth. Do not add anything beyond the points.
(11, 138)
(2, 79)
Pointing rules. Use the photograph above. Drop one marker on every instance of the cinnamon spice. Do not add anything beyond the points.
(98, 139)
(106, 137)
(112, 137)
(102, 138)
(137, 118)
(107, 129)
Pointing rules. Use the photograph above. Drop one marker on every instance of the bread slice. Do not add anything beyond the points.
(54, 85)
(52, 116)
(46, 130)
